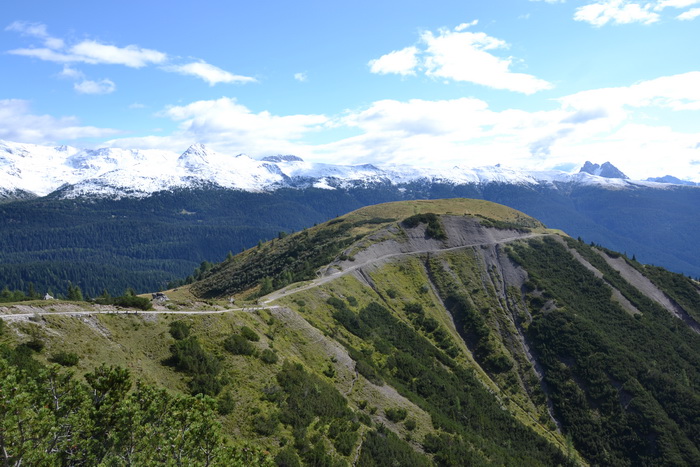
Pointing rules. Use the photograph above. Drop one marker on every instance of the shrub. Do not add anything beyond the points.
(265, 425)
(179, 330)
(329, 371)
(413, 307)
(249, 334)
(337, 303)
(189, 356)
(268, 356)
(434, 228)
(238, 345)
(36, 344)
(395, 414)
(132, 301)
(205, 384)
(65, 358)
(225, 404)
(288, 457)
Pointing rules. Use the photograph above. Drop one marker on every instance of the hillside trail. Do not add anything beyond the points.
(264, 304)
(327, 277)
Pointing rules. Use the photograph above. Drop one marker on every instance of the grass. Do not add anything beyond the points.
(457, 206)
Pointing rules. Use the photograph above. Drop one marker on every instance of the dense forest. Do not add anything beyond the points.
(624, 386)
(145, 243)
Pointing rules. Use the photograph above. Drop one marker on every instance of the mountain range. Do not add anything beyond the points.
(34, 170)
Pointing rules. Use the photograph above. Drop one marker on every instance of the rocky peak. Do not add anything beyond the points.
(607, 170)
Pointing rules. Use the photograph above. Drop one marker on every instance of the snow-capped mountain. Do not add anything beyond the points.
(27, 169)
(606, 170)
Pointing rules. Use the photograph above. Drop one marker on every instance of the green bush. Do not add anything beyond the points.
(225, 404)
(65, 358)
(179, 330)
(36, 344)
(189, 356)
(132, 301)
(434, 228)
(395, 414)
(249, 334)
(287, 457)
(265, 425)
(204, 384)
(238, 345)
(337, 303)
(268, 356)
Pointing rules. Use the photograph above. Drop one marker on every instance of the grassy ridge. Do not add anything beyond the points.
(296, 257)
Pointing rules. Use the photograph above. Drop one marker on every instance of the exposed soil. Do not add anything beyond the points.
(648, 288)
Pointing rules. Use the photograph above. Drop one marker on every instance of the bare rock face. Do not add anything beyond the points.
(607, 170)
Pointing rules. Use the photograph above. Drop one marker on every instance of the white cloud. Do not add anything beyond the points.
(464, 131)
(464, 26)
(132, 56)
(38, 30)
(301, 77)
(209, 73)
(616, 11)
(71, 73)
(104, 86)
(467, 132)
(465, 56)
(46, 54)
(17, 123)
(464, 117)
(230, 126)
(675, 4)
(443, 133)
(459, 56)
(28, 29)
(82, 85)
(676, 92)
(689, 15)
(605, 12)
(94, 53)
(401, 62)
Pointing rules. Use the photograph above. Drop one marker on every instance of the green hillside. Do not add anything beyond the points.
(449, 332)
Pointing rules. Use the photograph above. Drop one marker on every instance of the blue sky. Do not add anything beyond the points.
(533, 84)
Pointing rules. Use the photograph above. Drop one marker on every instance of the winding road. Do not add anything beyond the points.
(276, 295)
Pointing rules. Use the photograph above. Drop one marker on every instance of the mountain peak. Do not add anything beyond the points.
(196, 154)
(196, 148)
(607, 170)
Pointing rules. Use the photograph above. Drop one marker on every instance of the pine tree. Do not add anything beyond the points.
(74, 293)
